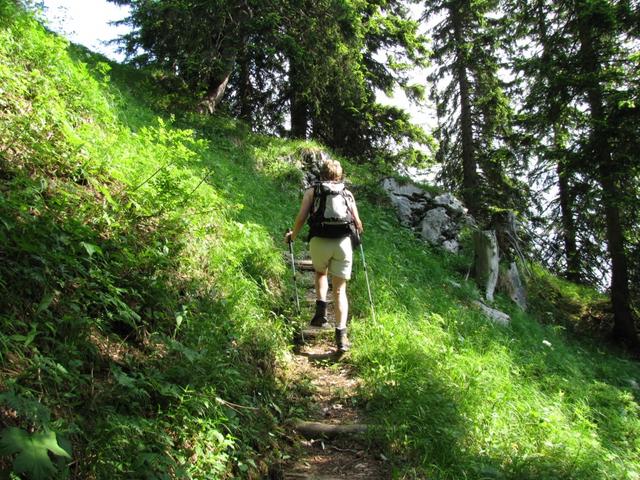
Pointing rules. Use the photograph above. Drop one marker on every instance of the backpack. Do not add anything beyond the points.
(331, 213)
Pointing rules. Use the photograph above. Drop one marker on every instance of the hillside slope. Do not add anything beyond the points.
(145, 305)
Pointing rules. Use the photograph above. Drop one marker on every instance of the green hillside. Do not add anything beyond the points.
(146, 313)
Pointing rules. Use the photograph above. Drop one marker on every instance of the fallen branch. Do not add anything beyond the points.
(234, 406)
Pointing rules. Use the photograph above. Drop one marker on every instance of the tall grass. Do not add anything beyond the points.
(456, 396)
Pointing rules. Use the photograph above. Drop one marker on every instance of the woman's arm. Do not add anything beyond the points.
(305, 208)
(356, 218)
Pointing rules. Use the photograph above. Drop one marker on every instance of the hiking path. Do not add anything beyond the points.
(333, 442)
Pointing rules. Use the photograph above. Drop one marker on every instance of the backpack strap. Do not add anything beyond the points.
(348, 198)
(318, 203)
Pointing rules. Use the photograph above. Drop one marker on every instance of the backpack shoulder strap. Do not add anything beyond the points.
(350, 201)
(318, 199)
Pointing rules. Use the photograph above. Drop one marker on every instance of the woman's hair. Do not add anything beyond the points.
(331, 170)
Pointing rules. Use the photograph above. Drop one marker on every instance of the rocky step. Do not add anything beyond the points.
(314, 430)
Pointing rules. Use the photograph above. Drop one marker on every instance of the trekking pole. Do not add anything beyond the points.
(366, 276)
(293, 270)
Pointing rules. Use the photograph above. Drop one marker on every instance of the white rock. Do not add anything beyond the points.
(451, 203)
(497, 316)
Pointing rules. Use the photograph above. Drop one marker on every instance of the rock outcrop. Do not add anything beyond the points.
(437, 218)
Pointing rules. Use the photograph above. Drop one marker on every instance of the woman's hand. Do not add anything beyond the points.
(287, 237)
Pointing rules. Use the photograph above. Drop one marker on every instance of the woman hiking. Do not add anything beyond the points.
(333, 219)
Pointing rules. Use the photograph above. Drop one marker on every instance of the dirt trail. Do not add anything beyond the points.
(329, 448)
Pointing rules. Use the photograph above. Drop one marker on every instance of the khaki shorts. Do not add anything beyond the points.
(333, 254)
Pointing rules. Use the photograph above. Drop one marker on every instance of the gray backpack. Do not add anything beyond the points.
(332, 211)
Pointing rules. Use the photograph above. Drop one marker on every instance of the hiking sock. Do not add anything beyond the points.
(320, 317)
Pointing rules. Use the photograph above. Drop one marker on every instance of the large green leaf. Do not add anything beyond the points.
(32, 451)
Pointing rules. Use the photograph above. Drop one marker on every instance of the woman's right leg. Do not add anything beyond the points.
(322, 286)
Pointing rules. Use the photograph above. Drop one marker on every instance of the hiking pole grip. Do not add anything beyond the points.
(293, 269)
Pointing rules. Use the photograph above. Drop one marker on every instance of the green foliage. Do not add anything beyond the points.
(456, 396)
(144, 305)
(32, 452)
(317, 62)
(135, 291)
(475, 118)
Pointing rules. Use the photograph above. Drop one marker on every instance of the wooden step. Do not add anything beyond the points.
(310, 297)
(304, 265)
(313, 332)
(309, 476)
(311, 430)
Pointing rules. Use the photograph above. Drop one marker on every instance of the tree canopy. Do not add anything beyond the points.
(309, 69)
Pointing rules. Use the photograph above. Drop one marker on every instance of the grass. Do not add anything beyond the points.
(459, 397)
(145, 304)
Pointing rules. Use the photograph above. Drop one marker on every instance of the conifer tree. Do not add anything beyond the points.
(580, 87)
(598, 30)
(474, 113)
(316, 63)
(547, 117)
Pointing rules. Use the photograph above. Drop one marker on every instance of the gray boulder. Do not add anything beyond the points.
(438, 220)
(434, 225)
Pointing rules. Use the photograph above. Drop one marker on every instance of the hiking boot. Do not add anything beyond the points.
(320, 317)
(342, 342)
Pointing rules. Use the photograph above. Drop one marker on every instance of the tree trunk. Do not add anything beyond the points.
(568, 223)
(564, 172)
(299, 110)
(215, 92)
(218, 80)
(245, 89)
(608, 177)
(469, 167)
(487, 261)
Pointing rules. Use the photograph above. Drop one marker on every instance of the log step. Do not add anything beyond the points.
(310, 297)
(308, 334)
(307, 476)
(305, 265)
(311, 430)
(310, 331)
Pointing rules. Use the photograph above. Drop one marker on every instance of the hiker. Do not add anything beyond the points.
(333, 220)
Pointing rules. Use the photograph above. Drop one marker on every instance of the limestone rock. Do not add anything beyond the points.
(438, 219)
(451, 203)
(514, 287)
(434, 223)
(497, 316)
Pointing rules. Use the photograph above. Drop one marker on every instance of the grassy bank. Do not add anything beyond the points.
(457, 396)
(141, 299)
